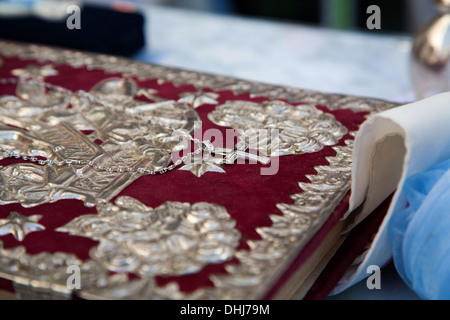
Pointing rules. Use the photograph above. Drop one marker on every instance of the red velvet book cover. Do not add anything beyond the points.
(93, 182)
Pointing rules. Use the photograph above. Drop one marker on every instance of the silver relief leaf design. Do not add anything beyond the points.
(199, 166)
(302, 128)
(172, 239)
(197, 99)
(19, 226)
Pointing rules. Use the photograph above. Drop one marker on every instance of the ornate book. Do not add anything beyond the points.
(97, 181)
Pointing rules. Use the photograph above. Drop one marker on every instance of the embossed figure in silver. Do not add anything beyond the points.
(59, 124)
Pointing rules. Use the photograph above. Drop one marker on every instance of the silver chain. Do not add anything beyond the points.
(204, 145)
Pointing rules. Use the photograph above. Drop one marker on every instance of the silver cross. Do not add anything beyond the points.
(231, 155)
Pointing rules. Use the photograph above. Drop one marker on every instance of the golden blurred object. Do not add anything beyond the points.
(430, 70)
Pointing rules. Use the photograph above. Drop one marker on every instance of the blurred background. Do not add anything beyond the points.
(399, 16)
(286, 42)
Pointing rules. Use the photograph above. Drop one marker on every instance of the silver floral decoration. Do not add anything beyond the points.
(197, 99)
(33, 71)
(302, 128)
(19, 226)
(172, 239)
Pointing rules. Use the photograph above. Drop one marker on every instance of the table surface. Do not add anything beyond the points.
(365, 64)
(355, 63)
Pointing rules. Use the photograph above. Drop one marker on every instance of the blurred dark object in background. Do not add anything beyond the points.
(103, 30)
(343, 14)
(295, 10)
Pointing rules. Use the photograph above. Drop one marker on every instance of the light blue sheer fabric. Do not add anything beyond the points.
(420, 233)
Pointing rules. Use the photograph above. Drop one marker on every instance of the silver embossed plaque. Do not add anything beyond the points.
(205, 230)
